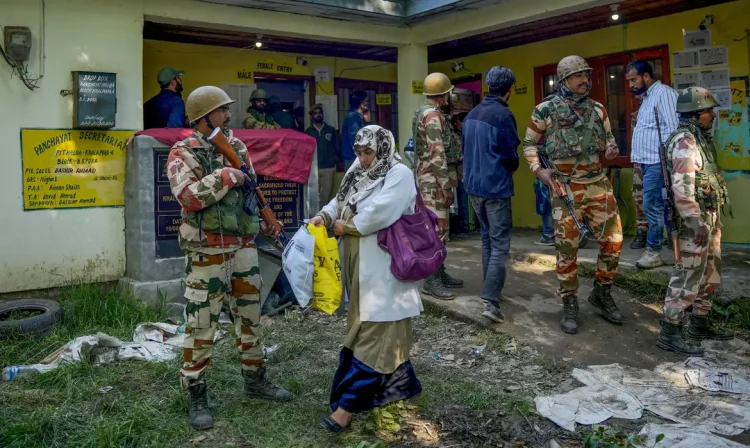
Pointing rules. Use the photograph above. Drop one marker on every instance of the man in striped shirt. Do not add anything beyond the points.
(645, 151)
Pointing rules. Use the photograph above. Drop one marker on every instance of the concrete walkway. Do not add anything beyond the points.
(533, 310)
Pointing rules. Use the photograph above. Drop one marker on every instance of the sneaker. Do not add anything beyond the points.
(546, 241)
(649, 260)
(493, 313)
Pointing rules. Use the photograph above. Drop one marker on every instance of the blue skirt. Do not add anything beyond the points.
(358, 388)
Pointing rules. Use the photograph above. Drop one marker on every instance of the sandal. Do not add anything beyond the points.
(330, 424)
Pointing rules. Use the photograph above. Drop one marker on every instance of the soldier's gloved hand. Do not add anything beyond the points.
(448, 197)
(546, 177)
(701, 236)
(238, 176)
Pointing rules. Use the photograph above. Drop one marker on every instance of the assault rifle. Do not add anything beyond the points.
(559, 187)
(254, 198)
(671, 219)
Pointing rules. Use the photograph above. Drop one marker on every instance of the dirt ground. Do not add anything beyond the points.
(533, 310)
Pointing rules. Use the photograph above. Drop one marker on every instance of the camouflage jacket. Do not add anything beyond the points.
(698, 185)
(255, 119)
(563, 125)
(211, 207)
(428, 129)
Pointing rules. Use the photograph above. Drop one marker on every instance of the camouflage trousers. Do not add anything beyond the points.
(640, 217)
(206, 290)
(433, 200)
(596, 202)
(700, 277)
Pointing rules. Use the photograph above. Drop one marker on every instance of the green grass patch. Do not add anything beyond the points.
(86, 309)
(134, 403)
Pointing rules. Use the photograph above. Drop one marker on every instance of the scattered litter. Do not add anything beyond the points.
(224, 319)
(105, 389)
(435, 355)
(512, 388)
(711, 392)
(683, 436)
(152, 341)
(588, 405)
(198, 439)
(478, 351)
(449, 357)
(268, 350)
(717, 381)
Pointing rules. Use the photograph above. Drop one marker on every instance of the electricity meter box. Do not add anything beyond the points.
(18, 42)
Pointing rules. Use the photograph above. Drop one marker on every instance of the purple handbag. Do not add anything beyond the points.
(414, 244)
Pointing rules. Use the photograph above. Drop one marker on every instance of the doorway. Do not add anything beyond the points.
(610, 89)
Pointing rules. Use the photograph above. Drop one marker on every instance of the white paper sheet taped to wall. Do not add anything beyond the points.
(715, 79)
(713, 56)
(686, 59)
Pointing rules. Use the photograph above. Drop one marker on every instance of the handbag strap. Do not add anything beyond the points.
(420, 202)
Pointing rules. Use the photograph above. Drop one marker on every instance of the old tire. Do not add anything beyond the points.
(37, 325)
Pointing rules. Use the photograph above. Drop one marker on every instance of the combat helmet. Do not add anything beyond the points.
(694, 99)
(204, 100)
(258, 94)
(570, 65)
(437, 84)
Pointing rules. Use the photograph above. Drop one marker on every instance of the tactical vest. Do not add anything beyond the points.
(234, 220)
(710, 187)
(451, 158)
(452, 143)
(261, 116)
(570, 136)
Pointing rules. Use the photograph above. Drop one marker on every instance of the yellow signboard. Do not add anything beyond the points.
(68, 168)
(383, 99)
(246, 75)
(417, 87)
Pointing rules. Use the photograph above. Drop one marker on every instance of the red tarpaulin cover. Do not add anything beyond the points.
(279, 153)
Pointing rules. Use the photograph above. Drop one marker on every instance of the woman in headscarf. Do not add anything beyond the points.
(374, 367)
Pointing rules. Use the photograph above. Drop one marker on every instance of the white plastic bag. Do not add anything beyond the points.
(298, 264)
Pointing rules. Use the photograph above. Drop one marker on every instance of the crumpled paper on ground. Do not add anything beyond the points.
(675, 391)
(683, 436)
(152, 341)
(588, 405)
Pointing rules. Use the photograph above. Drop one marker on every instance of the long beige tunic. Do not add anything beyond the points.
(382, 346)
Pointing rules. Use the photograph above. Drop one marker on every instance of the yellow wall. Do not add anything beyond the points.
(210, 65)
(730, 23)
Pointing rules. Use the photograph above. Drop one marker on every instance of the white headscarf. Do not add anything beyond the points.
(358, 182)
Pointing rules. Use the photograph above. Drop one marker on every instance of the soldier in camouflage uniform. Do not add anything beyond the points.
(700, 198)
(257, 116)
(434, 176)
(639, 242)
(217, 236)
(577, 132)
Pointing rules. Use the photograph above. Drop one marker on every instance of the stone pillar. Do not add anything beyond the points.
(412, 66)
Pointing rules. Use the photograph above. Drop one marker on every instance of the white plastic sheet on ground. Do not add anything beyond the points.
(152, 341)
(683, 436)
(712, 392)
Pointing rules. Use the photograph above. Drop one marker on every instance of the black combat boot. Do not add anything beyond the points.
(258, 386)
(639, 242)
(448, 281)
(601, 298)
(569, 320)
(433, 286)
(671, 338)
(200, 417)
(699, 329)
